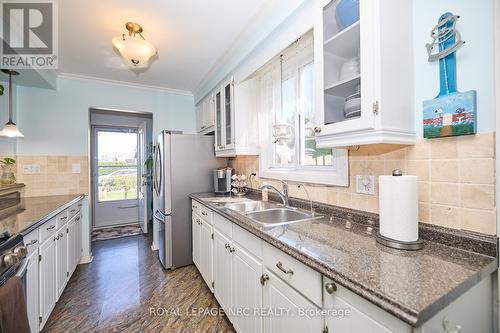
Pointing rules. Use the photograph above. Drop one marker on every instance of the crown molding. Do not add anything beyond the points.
(71, 76)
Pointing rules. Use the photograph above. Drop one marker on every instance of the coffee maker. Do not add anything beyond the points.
(222, 180)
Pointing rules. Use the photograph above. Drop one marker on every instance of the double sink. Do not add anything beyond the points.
(270, 214)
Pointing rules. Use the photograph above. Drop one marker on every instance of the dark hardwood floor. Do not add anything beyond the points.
(125, 289)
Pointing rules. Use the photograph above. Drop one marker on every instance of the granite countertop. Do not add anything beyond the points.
(29, 213)
(411, 285)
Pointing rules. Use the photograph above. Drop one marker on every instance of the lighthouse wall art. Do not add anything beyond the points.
(451, 113)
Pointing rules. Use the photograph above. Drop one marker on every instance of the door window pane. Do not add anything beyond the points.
(117, 165)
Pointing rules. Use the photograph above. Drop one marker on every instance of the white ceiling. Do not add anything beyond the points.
(190, 36)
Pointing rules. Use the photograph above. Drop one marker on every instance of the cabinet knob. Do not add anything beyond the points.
(226, 246)
(51, 227)
(317, 129)
(331, 288)
(263, 279)
(231, 249)
(33, 242)
(448, 329)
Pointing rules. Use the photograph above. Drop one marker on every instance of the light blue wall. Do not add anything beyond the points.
(56, 122)
(475, 60)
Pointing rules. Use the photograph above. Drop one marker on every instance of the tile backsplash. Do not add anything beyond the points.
(456, 179)
(55, 175)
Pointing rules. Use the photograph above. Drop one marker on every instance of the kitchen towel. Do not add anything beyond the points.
(13, 313)
(398, 204)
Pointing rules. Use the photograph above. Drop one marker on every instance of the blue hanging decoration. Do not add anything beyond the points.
(451, 113)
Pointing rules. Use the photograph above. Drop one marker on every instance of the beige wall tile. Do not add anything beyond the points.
(445, 216)
(445, 194)
(444, 171)
(424, 192)
(479, 171)
(444, 148)
(424, 214)
(421, 169)
(420, 151)
(477, 196)
(479, 145)
(478, 220)
(391, 165)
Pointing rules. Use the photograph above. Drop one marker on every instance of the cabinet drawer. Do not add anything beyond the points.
(223, 225)
(74, 209)
(306, 280)
(206, 214)
(61, 219)
(47, 230)
(195, 207)
(31, 241)
(248, 241)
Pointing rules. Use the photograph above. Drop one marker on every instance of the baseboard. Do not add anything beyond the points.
(86, 260)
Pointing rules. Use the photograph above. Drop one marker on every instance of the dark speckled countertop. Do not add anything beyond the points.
(411, 285)
(29, 213)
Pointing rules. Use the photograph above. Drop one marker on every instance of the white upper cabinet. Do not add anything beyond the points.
(364, 74)
(205, 115)
(236, 119)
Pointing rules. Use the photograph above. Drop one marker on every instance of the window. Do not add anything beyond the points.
(287, 118)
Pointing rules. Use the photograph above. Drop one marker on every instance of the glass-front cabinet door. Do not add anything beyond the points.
(228, 116)
(218, 121)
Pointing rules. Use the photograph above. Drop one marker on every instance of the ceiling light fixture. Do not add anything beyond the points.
(134, 49)
(10, 129)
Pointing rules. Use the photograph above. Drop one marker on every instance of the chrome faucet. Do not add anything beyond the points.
(308, 198)
(283, 195)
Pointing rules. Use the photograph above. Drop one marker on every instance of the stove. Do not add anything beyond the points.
(12, 254)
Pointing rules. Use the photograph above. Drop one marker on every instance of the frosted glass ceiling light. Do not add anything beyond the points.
(134, 49)
(10, 129)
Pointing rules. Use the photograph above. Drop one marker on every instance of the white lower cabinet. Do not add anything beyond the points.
(47, 279)
(61, 260)
(246, 291)
(206, 252)
(290, 306)
(222, 264)
(263, 289)
(32, 287)
(52, 258)
(196, 226)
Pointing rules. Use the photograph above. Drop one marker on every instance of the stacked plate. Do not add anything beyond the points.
(352, 107)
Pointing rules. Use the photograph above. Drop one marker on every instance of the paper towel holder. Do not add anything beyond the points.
(396, 244)
(400, 245)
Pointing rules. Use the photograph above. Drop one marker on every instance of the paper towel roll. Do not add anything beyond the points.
(398, 207)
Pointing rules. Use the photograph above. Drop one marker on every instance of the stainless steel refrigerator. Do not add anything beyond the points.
(183, 164)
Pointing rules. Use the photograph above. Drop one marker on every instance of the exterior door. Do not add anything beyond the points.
(115, 177)
(143, 181)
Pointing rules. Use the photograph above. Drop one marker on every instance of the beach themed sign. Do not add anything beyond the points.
(451, 113)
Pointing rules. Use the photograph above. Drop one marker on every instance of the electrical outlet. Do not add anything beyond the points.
(31, 169)
(365, 184)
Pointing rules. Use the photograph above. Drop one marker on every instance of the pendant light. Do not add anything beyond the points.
(10, 129)
(134, 49)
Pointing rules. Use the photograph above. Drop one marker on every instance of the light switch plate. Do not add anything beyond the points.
(31, 169)
(365, 184)
(75, 168)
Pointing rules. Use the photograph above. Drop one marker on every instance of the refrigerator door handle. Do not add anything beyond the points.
(159, 216)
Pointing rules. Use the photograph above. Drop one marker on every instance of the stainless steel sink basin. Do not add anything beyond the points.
(280, 216)
(250, 206)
